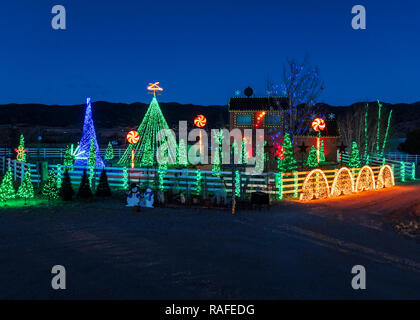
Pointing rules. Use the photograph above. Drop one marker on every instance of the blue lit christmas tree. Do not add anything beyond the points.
(88, 134)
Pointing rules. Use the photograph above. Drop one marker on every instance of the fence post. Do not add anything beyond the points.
(402, 171)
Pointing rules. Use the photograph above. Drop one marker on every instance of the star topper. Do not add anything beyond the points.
(154, 87)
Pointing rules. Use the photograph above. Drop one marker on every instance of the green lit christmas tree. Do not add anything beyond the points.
(312, 158)
(354, 156)
(145, 151)
(288, 163)
(322, 152)
(7, 191)
(109, 154)
(50, 189)
(26, 189)
(217, 153)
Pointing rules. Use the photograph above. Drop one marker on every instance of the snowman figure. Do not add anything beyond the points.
(133, 197)
(148, 198)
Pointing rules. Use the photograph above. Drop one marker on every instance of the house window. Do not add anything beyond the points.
(243, 119)
(272, 119)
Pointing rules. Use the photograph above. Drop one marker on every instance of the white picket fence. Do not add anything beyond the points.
(399, 156)
(57, 153)
(403, 170)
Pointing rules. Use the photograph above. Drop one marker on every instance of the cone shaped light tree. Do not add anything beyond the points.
(88, 135)
(151, 139)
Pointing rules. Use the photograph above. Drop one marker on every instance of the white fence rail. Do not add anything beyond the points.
(58, 153)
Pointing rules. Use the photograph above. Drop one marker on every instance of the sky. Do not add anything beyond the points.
(201, 52)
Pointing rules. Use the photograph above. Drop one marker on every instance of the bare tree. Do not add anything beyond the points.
(302, 85)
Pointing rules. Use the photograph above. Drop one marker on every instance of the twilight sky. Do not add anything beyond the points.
(203, 51)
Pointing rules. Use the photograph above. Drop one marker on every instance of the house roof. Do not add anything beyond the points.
(263, 103)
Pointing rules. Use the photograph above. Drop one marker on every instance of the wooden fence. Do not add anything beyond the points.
(278, 185)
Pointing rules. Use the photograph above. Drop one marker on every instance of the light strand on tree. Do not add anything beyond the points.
(365, 152)
(379, 126)
(386, 132)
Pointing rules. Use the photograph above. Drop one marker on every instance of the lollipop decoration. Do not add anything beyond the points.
(133, 137)
(318, 125)
(200, 121)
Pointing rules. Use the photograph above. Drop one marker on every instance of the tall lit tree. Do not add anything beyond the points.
(322, 152)
(7, 191)
(92, 154)
(87, 136)
(150, 131)
(244, 152)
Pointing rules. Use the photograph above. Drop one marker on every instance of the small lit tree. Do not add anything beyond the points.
(109, 154)
(7, 191)
(354, 156)
(26, 189)
(312, 158)
(50, 189)
(68, 157)
(289, 163)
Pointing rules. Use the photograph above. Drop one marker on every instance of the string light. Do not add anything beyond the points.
(402, 171)
(313, 188)
(343, 183)
(385, 178)
(365, 179)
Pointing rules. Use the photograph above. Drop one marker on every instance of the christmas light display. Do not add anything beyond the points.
(279, 185)
(217, 152)
(259, 119)
(26, 189)
(295, 176)
(92, 154)
(288, 163)
(87, 136)
(237, 183)
(318, 124)
(385, 178)
(413, 171)
(149, 140)
(154, 87)
(322, 152)
(7, 191)
(315, 186)
(21, 151)
(312, 161)
(354, 156)
(133, 137)
(343, 183)
(365, 152)
(365, 180)
(379, 126)
(402, 171)
(59, 176)
(109, 154)
(198, 182)
(50, 189)
(244, 152)
(235, 151)
(200, 121)
(125, 179)
(386, 132)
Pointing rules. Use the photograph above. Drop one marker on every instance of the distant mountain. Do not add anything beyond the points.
(105, 114)
(61, 124)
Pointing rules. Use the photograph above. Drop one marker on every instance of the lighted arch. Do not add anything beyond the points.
(312, 188)
(343, 183)
(385, 178)
(365, 179)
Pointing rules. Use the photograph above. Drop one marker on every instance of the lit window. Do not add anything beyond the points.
(243, 119)
(272, 119)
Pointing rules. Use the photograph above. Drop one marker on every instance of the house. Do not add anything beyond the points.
(268, 113)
